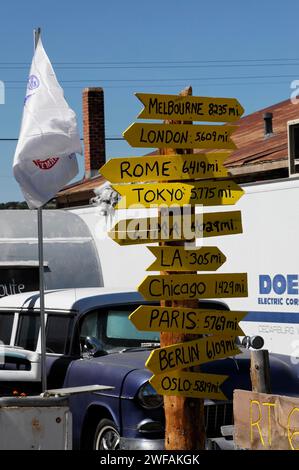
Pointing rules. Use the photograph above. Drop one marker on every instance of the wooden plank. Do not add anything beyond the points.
(178, 258)
(187, 320)
(180, 136)
(191, 353)
(207, 193)
(189, 384)
(266, 422)
(153, 229)
(189, 108)
(194, 286)
(165, 168)
(260, 371)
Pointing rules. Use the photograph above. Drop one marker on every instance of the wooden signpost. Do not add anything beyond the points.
(173, 228)
(189, 108)
(165, 168)
(177, 177)
(189, 384)
(187, 320)
(180, 136)
(178, 258)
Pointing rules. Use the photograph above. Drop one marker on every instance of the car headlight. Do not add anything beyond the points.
(148, 397)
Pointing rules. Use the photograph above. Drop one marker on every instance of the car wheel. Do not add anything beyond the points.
(106, 436)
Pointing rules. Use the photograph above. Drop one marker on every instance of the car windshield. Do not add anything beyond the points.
(6, 322)
(113, 329)
(120, 328)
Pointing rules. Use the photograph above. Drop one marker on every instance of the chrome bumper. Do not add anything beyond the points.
(141, 444)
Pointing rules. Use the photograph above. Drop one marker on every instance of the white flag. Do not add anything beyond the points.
(45, 157)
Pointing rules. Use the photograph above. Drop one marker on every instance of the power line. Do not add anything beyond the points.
(169, 79)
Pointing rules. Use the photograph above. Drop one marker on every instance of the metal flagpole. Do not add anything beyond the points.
(41, 275)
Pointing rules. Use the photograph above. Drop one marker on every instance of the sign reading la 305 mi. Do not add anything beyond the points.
(189, 108)
(165, 168)
(194, 286)
(208, 193)
(180, 136)
(178, 258)
(191, 353)
(187, 320)
(189, 384)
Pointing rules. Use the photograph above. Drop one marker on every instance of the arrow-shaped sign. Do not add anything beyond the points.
(191, 353)
(154, 229)
(165, 168)
(178, 258)
(153, 194)
(179, 136)
(186, 320)
(194, 286)
(189, 384)
(189, 108)
(207, 193)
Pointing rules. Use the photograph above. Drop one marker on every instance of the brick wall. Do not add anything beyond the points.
(93, 130)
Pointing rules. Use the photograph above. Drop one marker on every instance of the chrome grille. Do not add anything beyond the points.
(217, 415)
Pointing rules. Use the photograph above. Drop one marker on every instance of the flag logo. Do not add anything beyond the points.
(46, 164)
(33, 82)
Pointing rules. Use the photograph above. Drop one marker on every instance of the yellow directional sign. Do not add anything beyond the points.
(189, 108)
(207, 193)
(187, 320)
(189, 384)
(214, 193)
(154, 229)
(178, 258)
(165, 168)
(191, 353)
(180, 136)
(194, 286)
(153, 195)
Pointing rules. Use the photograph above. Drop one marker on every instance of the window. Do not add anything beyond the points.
(28, 330)
(58, 333)
(293, 136)
(114, 330)
(6, 322)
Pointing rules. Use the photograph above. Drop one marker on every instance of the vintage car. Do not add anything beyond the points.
(90, 340)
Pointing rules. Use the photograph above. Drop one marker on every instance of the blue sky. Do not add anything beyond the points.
(247, 50)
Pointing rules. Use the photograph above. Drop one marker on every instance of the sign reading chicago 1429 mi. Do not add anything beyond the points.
(194, 286)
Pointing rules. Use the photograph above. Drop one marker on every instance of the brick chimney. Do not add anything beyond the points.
(93, 130)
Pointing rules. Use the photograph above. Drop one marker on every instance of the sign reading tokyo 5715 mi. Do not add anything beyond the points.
(189, 108)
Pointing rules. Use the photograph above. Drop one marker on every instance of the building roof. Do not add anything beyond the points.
(255, 154)
(256, 148)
